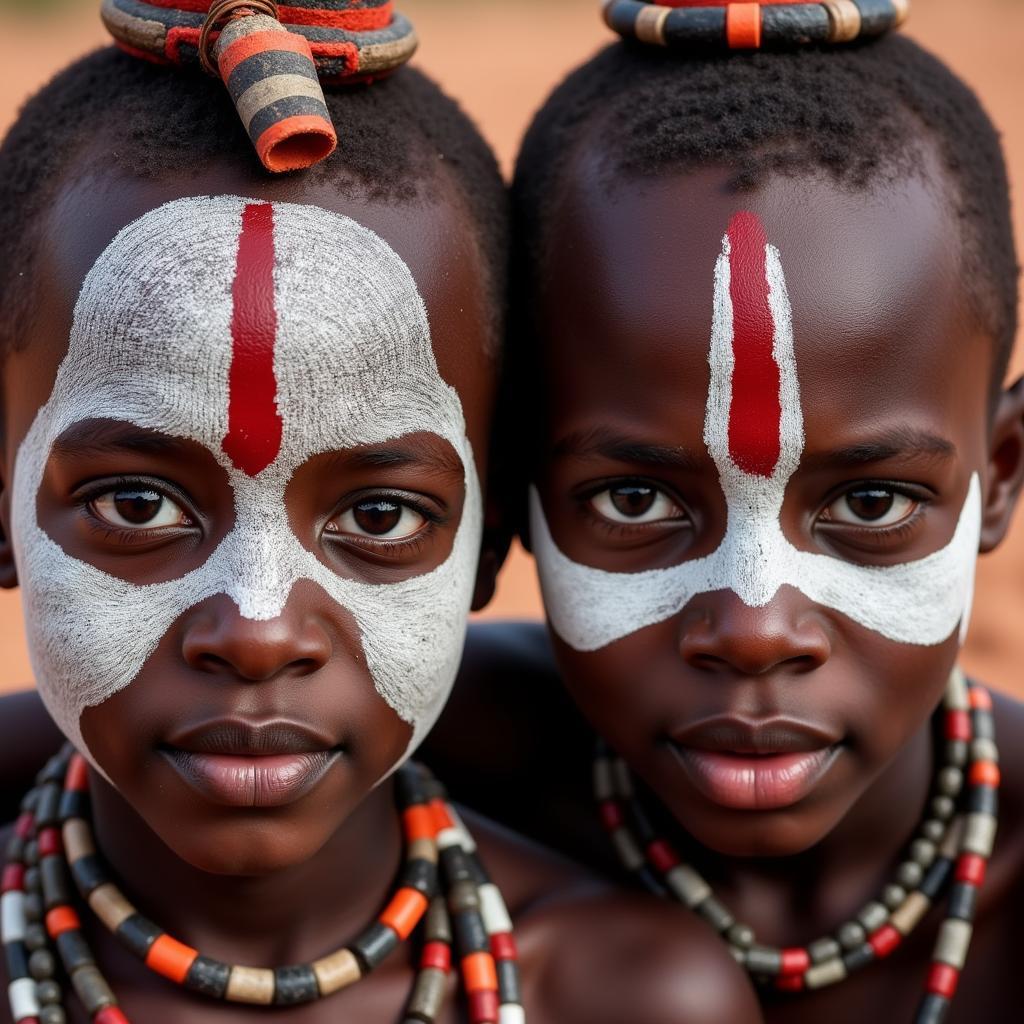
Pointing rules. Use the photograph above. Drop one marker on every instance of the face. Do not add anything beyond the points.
(247, 516)
(761, 490)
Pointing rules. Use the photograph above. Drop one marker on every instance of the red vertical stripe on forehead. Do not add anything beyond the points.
(254, 425)
(756, 412)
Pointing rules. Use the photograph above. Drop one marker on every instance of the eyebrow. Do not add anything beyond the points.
(441, 459)
(91, 439)
(899, 442)
(600, 442)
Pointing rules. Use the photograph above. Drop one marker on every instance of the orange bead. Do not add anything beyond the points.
(984, 773)
(743, 26)
(60, 920)
(418, 823)
(980, 699)
(479, 972)
(77, 777)
(442, 819)
(171, 958)
(404, 912)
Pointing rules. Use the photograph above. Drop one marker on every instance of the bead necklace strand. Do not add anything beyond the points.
(954, 840)
(40, 923)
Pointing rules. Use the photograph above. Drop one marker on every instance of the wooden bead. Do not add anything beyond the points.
(844, 20)
(438, 924)
(908, 916)
(254, 985)
(110, 906)
(953, 942)
(92, 989)
(337, 971)
(650, 24)
(428, 994)
(829, 972)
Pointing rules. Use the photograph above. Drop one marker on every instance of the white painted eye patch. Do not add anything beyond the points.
(268, 334)
(753, 431)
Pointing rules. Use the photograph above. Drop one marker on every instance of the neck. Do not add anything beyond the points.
(794, 899)
(292, 915)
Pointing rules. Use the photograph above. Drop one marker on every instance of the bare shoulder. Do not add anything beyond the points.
(595, 954)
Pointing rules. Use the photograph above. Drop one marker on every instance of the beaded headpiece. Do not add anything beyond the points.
(770, 24)
(272, 58)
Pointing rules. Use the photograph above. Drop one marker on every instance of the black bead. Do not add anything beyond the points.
(295, 985)
(456, 865)
(963, 898)
(56, 890)
(375, 945)
(47, 813)
(859, 957)
(15, 849)
(509, 990)
(138, 933)
(73, 804)
(983, 800)
(876, 16)
(470, 933)
(421, 875)
(650, 881)
(17, 960)
(74, 950)
(477, 871)
(792, 24)
(208, 977)
(54, 771)
(983, 725)
(409, 788)
(698, 27)
(936, 877)
(932, 1010)
(88, 873)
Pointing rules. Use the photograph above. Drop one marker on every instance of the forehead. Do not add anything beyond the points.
(879, 315)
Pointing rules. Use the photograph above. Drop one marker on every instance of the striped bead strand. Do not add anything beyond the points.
(975, 848)
(685, 25)
(882, 925)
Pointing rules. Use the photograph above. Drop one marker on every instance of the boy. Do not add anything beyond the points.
(241, 494)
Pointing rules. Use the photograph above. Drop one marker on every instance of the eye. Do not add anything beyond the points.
(871, 505)
(379, 518)
(138, 508)
(636, 503)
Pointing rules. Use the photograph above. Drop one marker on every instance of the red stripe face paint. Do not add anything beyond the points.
(755, 413)
(754, 432)
(254, 423)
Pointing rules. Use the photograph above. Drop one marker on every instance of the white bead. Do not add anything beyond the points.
(466, 838)
(688, 885)
(603, 780)
(22, 994)
(980, 835)
(957, 698)
(493, 910)
(827, 973)
(12, 917)
(511, 1013)
(954, 940)
(629, 853)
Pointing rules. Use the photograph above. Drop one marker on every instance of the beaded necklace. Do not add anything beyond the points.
(953, 841)
(53, 843)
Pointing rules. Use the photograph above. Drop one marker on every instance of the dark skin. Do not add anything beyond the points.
(286, 883)
(896, 389)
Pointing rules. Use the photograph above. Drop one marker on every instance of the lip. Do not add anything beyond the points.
(760, 765)
(235, 763)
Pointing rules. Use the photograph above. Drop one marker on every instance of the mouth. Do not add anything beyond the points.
(754, 765)
(234, 763)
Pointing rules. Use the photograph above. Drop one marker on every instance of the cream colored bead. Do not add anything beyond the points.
(337, 971)
(908, 915)
(844, 20)
(688, 885)
(629, 853)
(827, 973)
(650, 24)
(77, 840)
(110, 905)
(250, 985)
(980, 834)
(953, 943)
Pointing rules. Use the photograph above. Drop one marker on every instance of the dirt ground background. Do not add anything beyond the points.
(500, 58)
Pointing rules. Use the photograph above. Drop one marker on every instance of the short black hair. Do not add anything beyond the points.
(109, 109)
(853, 112)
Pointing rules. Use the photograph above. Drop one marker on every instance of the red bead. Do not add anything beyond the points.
(24, 825)
(970, 868)
(958, 725)
(503, 946)
(662, 856)
(110, 1015)
(27, 1020)
(49, 843)
(13, 878)
(790, 982)
(942, 980)
(885, 940)
(795, 961)
(980, 699)
(77, 777)
(483, 1006)
(611, 815)
(437, 954)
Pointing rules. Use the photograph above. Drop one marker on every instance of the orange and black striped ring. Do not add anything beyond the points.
(769, 24)
(220, 12)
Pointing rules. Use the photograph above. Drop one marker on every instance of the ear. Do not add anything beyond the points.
(1005, 467)
(494, 547)
(8, 572)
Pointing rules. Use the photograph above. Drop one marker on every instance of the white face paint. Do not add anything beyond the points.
(174, 331)
(753, 431)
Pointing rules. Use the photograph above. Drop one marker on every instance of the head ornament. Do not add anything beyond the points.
(272, 58)
(770, 24)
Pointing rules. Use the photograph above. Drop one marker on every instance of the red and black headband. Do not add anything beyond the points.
(272, 58)
(770, 24)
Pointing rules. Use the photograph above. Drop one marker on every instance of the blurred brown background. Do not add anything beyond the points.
(500, 58)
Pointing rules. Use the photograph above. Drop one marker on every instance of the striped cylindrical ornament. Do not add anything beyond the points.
(273, 83)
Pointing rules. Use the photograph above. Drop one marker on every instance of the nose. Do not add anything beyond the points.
(219, 641)
(721, 634)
